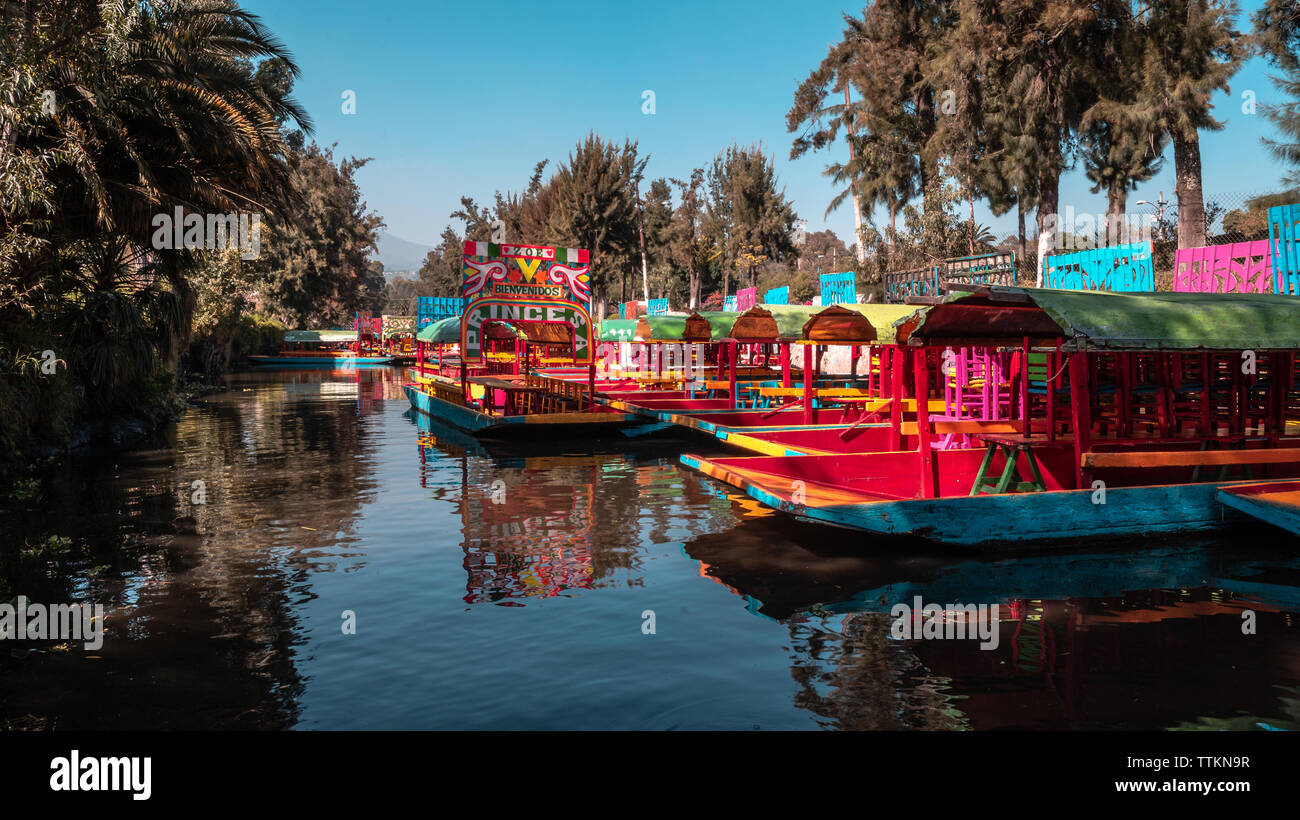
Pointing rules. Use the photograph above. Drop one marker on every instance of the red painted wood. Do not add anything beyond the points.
(924, 435)
(1080, 414)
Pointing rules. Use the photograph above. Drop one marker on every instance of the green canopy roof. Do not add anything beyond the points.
(320, 335)
(789, 320)
(617, 330)
(1098, 320)
(720, 321)
(442, 332)
(882, 317)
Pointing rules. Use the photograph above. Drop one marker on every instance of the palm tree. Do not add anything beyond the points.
(1116, 160)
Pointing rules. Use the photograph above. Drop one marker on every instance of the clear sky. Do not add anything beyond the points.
(465, 97)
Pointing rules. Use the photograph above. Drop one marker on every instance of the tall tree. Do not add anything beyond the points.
(688, 241)
(595, 205)
(1189, 50)
(317, 263)
(1277, 30)
(749, 220)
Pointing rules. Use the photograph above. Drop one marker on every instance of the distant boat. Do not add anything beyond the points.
(319, 348)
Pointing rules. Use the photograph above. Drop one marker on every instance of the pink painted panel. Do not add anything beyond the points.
(746, 298)
(1242, 267)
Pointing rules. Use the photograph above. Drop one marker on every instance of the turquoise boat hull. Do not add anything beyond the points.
(320, 361)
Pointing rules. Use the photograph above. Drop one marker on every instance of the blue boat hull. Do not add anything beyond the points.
(1013, 518)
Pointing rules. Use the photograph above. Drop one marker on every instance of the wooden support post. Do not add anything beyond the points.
(896, 394)
(734, 356)
(929, 465)
(1207, 411)
(1053, 368)
(591, 386)
(1024, 385)
(1080, 413)
(809, 377)
(785, 364)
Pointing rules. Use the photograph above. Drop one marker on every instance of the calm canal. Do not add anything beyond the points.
(500, 589)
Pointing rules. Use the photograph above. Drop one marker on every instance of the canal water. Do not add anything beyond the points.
(302, 551)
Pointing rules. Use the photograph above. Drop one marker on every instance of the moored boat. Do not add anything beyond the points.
(1156, 415)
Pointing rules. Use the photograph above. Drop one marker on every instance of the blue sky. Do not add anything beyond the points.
(460, 98)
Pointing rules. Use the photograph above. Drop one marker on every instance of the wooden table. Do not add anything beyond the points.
(1012, 447)
(512, 390)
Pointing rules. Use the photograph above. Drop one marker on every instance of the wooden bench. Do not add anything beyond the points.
(969, 427)
(1191, 458)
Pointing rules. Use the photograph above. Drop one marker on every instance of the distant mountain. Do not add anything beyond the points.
(400, 255)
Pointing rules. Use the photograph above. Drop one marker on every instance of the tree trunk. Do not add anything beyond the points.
(1048, 198)
(693, 283)
(929, 169)
(640, 229)
(970, 197)
(1191, 199)
(1116, 201)
(853, 187)
(1020, 225)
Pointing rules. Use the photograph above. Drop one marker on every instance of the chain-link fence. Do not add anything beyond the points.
(1230, 217)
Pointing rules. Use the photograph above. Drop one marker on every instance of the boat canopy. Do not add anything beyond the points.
(666, 328)
(767, 323)
(447, 331)
(855, 324)
(442, 332)
(320, 335)
(1101, 321)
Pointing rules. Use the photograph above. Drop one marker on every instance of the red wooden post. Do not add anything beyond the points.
(929, 465)
(1080, 413)
(591, 386)
(734, 356)
(809, 375)
(785, 364)
(896, 394)
(464, 385)
(1053, 368)
(1024, 385)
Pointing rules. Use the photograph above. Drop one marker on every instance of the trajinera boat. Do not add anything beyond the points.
(524, 351)
(320, 348)
(1131, 412)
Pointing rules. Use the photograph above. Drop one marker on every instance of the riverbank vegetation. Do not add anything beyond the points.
(116, 119)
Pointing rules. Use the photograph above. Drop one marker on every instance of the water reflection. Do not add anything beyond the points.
(502, 586)
(1186, 635)
(537, 524)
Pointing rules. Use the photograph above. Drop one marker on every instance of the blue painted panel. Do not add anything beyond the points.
(657, 307)
(777, 296)
(838, 289)
(1284, 243)
(429, 309)
(901, 284)
(729, 303)
(1120, 268)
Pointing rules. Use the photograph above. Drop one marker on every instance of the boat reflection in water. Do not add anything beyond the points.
(1155, 636)
(530, 521)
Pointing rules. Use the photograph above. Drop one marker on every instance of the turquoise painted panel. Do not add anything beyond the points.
(838, 289)
(985, 269)
(901, 284)
(1284, 242)
(1119, 268)
(777, 296)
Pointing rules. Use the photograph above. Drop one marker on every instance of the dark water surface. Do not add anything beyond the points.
(324, 495)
